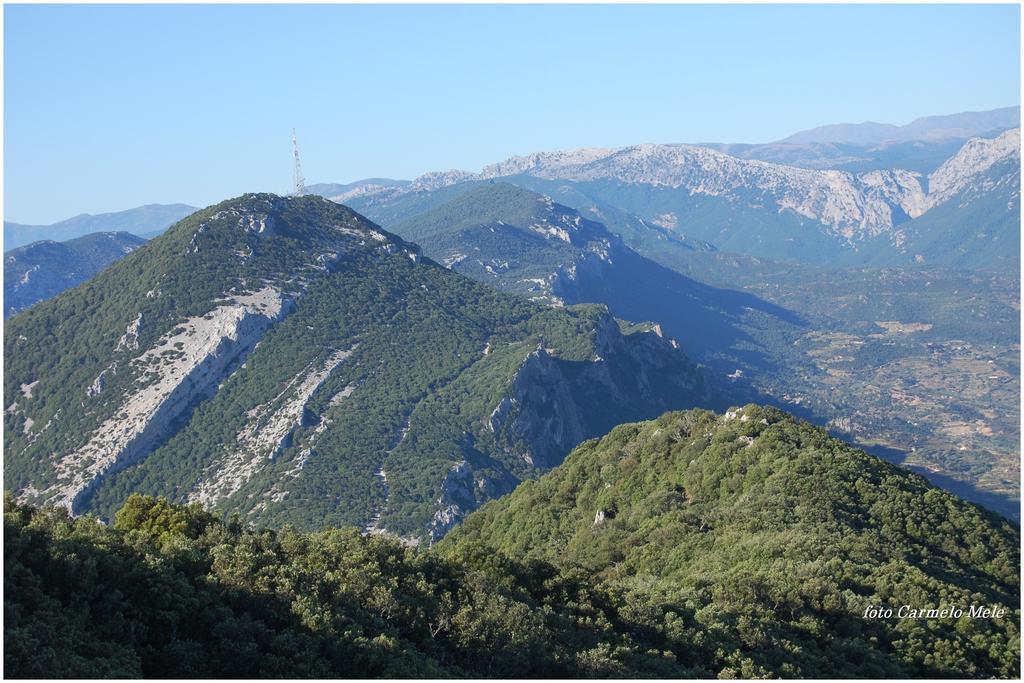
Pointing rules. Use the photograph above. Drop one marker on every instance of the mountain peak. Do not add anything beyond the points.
(975, 157)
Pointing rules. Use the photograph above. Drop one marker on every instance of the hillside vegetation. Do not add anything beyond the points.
(694, 545)
(756, 541)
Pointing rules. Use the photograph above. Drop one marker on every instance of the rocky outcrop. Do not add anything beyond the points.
(456, 500)
(973, 159)
(270, 430)
(550, 403)
(188, 362)
(539, 415)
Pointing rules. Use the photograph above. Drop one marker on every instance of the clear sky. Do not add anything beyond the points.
(109, 107)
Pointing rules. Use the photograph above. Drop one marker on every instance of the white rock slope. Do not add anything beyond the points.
(188, 362)
(269, 431)
(974, 158)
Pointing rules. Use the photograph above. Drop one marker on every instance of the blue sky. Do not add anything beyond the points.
(109, 107)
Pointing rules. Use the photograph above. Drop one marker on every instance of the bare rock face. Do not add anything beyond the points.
(457, 499)
(851, 205)
(551, 405)
(543, 414)
(268, 432)
(973, 159)
(188, 362)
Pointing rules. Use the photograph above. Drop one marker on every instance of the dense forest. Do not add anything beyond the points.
(695, 545)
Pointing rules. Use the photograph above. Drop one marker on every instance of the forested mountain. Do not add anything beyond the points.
(143, 221)
(742, 545)
(524, 242)
(918, 364)
(286, 359)
(41, 270)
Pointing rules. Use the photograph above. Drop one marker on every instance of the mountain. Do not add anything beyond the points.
(738, 205)
(917, 364)
(920, 156)
(973, 219)
(286, 359)
(44, 269)
(694, 546)
(342, 193)
(953, 126)
(755, 543)
(920, 146)
(524, 242)
(143, 221)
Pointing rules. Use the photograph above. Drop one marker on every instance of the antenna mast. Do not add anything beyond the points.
(300, 182)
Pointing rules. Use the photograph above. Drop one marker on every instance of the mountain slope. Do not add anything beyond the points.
(523, 242)
(871, 353)
(169, 591)
(41, 270)
(287, 359)
(977, 228)
(142, 221)
(757, 541)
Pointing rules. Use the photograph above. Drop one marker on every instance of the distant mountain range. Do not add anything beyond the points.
(44, 269)
(760, 208)
(929, 128)
(143, 221)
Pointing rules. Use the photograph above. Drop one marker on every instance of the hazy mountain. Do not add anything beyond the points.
(953, 126)
(921, 156)
(921, 146)
(44, 269)
(288, 360)
(342, 193)
(143, 221)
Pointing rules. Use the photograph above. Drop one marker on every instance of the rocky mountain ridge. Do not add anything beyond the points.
(849, 207)
(976, 157)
